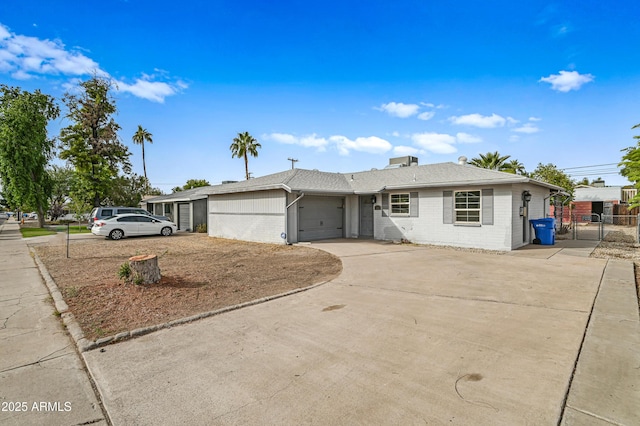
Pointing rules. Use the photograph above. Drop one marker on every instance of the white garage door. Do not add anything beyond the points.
(320, 218)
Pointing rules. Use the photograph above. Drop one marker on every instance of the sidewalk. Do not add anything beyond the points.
(42, 379)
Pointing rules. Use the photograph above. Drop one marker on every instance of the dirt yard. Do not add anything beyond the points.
(199, 274)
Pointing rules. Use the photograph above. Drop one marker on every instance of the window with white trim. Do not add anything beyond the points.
(467, 206)
(399, 204)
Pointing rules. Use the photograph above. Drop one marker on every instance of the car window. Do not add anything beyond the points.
(126, 211)
(107, 212)
(128, 219)
(145, 219)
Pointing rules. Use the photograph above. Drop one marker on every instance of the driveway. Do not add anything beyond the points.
(405, 335)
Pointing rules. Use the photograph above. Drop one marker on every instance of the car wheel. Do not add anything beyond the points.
(166, 231)
(116, 234)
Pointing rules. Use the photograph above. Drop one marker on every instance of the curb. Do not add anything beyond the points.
(85, 344)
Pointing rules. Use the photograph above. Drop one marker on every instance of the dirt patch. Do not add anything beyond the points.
(199, 274)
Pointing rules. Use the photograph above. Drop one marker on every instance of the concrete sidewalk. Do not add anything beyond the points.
(42, 378)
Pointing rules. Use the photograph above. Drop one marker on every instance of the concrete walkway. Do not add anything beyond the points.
(406, 335)
(42, 378)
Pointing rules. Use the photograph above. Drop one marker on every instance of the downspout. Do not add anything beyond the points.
(286, 218)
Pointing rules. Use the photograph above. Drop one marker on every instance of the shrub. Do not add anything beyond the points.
(201, 228)
(124, 273)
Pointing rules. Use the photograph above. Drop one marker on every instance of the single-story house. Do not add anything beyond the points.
(187, 209)
(443, 204)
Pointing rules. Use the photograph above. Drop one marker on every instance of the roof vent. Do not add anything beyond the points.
(229, 181)
(462, 160)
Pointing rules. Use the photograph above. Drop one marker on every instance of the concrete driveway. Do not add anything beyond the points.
(406, 335)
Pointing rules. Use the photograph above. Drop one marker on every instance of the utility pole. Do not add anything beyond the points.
(293, 160)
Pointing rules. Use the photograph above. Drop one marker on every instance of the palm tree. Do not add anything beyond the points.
(138, 138)
(491, 160)
(244, 144)
(515, 167)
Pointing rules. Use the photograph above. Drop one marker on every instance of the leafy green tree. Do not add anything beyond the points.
(584, 181)
(25, 148)
(491, 160)
(244, 145)
(91, 143)
(551, 174)
(139, 138)
(192, 183)
(127, 190)
(631, 167)
(515, 167)
(61, 184)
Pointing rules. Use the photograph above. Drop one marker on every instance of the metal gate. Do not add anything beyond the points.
(597, 226)
(587, 227)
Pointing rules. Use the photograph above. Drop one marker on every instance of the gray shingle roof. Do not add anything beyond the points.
(429, 175)
(187, 195)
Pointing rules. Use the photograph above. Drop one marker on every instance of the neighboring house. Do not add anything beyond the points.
(443, 204)
(187, 209)
(591, 201)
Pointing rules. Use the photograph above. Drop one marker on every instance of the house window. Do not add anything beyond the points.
(400, 204)
(467, 206)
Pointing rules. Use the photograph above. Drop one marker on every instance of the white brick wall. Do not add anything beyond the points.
(429, 228)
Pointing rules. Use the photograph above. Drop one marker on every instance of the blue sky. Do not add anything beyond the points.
(343, 86)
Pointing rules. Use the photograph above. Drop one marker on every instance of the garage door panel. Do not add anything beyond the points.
(320, 218)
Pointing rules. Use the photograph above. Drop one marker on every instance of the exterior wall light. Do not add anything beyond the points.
(373, 199)
(526, 196)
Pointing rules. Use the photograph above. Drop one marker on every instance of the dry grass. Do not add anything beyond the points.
(199, 274)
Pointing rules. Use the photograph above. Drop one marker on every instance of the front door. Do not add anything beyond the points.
(366, 217)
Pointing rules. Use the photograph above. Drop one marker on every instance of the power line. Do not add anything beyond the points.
(587, 167)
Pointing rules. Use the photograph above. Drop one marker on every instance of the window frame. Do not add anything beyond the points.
(406, 204)
(467, 209)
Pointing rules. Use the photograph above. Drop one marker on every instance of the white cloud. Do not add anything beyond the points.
(527, 128)
(402, 150)
(467, 138)
(514, 138)
(308, 141)
(399, 109)
(438, 143)
(567, 80)
(478, 120)
(27, 57)
(371, 144)
(534, 119)
(427, 115)
(154, 91)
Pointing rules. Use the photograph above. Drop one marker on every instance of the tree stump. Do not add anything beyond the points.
(144, 269)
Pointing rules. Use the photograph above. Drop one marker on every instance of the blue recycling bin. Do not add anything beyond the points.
(545, 230)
